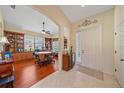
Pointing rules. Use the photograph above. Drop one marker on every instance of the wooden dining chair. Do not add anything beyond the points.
(40, 60)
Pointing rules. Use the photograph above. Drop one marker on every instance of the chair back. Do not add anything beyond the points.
(41, 57)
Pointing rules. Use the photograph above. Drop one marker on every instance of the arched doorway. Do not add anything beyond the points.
(26, 25)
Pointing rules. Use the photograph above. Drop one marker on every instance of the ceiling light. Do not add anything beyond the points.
(12, 6)
(44, 31)
(82, 5)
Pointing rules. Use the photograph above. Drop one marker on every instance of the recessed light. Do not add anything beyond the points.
(82, 5)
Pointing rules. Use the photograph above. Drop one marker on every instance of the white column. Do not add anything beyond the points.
(1, 24)
(61, 47)
(1, 28)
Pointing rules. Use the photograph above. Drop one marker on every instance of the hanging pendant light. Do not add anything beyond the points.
(43, 31)
(13, 6)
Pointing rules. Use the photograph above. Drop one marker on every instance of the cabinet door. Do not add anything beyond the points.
(65, 62)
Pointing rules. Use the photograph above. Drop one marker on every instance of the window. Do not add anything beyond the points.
(55, 46)
(32, 43)
(39, 43)
(78, 47)
(28, 43)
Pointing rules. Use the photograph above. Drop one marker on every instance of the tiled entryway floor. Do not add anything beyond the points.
(76, 79)
(89, 71)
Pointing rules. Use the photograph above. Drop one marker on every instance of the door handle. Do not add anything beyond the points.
(122, 59)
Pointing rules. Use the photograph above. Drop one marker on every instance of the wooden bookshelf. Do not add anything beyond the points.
(48, 43)
(16, 41)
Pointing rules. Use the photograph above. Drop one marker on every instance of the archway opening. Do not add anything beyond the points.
(29, 31)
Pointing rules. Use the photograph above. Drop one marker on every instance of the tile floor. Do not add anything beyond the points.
(89, 71)
(75, 79)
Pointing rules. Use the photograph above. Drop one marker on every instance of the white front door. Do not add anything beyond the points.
(91, 47)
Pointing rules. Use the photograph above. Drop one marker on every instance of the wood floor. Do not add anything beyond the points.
(28, 73)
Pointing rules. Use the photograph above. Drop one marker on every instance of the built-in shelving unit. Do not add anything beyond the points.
(48, 43)
(16, 41)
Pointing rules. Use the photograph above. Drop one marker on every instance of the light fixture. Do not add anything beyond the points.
(44, 31)
(4, 40)
(82, 5)
(13, 6)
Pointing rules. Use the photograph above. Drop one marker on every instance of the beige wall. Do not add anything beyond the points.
(119, 29)
(107, 21)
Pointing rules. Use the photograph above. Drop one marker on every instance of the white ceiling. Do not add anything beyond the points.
(77, 12)
(24, 17)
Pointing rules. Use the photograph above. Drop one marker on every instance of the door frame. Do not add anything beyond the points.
(101, 43)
